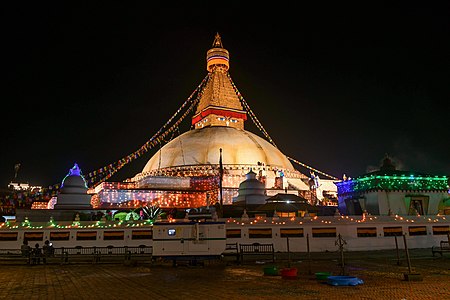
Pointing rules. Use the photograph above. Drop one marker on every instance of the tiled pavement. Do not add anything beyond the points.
(383, 279)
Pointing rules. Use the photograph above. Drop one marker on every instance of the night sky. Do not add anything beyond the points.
(336, 87)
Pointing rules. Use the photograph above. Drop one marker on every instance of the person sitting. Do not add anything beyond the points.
(48, 251)
(26, 251)
(37, 253)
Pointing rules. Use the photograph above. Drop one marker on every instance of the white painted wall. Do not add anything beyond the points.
(379, 202)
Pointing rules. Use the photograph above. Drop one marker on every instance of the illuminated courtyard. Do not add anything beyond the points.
(383, 279)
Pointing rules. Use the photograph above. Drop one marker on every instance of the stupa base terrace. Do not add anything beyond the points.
(197, 186)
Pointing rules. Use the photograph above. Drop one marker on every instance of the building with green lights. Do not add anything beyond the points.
(390, 191)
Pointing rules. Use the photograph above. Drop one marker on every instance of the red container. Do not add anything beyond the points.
(289, 273)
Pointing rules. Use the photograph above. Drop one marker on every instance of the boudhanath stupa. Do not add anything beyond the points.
(185, 172)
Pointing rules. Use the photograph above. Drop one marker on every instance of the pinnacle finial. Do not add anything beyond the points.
(75, 171)
(217, 41)
(217, 58)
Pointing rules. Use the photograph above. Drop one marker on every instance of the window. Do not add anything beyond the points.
(287, 214)
(366, 231)
(8, 236)
(324, 232)
(233, 233)
(291, 232)
(417, 205)
(441, 230)
(33, 236)
(113, 235)
(141, 235)
(86, 235)
(417, 230)
(255, 233)
(60, 236)
(393, 231)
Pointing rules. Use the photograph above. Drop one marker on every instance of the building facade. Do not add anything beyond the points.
(393, 192)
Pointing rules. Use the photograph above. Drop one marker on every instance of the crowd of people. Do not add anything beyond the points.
(35, 254)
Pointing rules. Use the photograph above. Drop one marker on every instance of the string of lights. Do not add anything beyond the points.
(393, 182)
(250, 112)
(157, 138)
(315, 220)
(264, 132)
(311, 168)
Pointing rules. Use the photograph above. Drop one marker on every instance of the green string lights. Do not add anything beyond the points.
(76, 224)
(393, 182)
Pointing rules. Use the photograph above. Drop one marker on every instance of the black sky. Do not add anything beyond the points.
(336, 87)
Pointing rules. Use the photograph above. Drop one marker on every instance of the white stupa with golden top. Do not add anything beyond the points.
(186, 171)
(218, 123)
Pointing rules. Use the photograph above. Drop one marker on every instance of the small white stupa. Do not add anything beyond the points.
(251, 191)
(73, 191)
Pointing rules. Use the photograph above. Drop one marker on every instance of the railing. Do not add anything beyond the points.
(256, 249)
(444, 246)
(101, 252)
(94, 253)
(12, 252)
(16, 255)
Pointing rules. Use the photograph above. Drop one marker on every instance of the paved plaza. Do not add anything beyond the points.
(383, 279)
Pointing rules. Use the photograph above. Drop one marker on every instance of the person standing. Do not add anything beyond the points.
(47, 250)
(26, 251)
(37, 253)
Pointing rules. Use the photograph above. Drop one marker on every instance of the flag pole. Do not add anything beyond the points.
(220, 182)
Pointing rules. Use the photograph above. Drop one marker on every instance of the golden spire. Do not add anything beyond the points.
(219, 105)
(217, 57)
(217, 41)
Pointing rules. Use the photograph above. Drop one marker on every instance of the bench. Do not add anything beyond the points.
(256, 249)
(232, 249)
(443, 247)
(65, 252)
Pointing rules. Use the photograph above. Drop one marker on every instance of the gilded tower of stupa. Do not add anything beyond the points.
(219, 105)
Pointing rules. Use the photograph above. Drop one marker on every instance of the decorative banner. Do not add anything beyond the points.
(24, 199)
